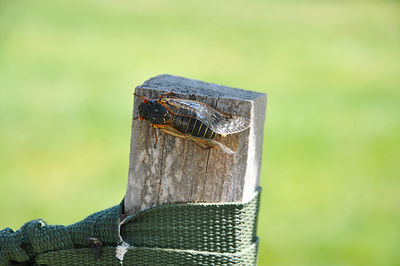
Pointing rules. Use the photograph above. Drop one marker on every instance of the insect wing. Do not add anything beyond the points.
(204, 143)
(182, 107)
(219, 122)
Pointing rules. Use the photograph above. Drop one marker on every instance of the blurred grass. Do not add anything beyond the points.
(331, 147)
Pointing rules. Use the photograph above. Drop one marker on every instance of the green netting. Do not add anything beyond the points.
(171, 234)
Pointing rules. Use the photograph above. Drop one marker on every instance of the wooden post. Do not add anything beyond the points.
(177, 170)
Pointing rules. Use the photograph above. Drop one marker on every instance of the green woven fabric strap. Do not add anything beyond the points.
(171, 234)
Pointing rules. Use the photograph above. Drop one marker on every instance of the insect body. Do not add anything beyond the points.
(189, 119)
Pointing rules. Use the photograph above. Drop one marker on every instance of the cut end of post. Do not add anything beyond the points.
(177, 170)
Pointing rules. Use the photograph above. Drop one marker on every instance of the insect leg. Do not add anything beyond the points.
(172, 131)
(201, 144)
(139, 96)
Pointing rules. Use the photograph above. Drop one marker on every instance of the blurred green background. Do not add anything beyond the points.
(330, 176)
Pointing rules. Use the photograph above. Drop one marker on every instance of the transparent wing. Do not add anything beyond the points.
(218, 121)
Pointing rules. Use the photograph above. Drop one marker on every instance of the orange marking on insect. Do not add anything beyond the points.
(163, 103)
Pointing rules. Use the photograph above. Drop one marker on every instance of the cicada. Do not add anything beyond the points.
(189, 119)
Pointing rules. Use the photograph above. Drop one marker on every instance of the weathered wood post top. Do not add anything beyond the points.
(177, 170)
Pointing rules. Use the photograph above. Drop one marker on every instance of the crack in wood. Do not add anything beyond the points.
(161, 171)
(208, 157)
